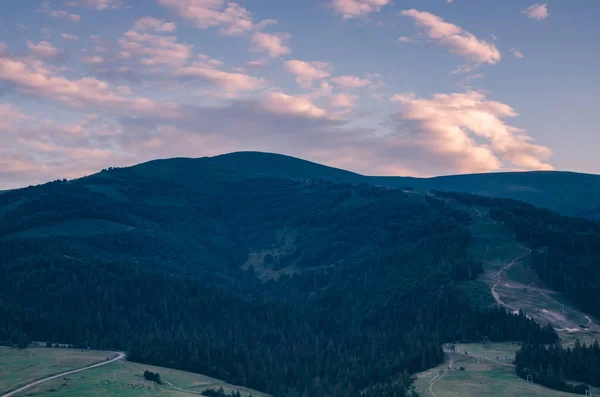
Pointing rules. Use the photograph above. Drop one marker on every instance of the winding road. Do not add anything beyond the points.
(437, 377)
(37, 382)
(499, 278)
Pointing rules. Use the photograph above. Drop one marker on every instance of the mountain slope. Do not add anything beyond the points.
(567, 192)
(167, 261)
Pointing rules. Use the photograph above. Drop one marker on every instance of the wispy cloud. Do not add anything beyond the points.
(232, 19)
(47, 9)
(517, 53)
(99, 5)
(458, 40)
(357, 8)
(537, 11)
(351, 81)
(44, 49)
(406, 39)
(69, 37)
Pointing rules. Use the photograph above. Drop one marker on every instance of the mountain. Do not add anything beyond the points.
(570, 193)
(290, 285)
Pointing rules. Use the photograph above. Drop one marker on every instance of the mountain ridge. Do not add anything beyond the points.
(570, 193)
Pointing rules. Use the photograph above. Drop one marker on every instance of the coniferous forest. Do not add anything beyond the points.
(290, 287)
(553, 365)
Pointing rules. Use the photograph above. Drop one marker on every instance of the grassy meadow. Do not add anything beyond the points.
(120, 378)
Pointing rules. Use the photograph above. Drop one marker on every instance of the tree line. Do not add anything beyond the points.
(553, 366)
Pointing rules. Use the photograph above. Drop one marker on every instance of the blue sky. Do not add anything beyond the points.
(404, 87)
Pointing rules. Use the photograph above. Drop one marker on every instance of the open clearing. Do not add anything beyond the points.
(516, 286)
(488, 369)
(19, 367)
(483, 375)
(120, 378)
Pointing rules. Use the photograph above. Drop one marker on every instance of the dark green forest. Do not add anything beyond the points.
(355, 289)
(553, 365)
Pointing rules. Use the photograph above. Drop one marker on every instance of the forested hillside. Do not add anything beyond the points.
(556, 367)
(566, 253)
(350, 287)
(569, 193)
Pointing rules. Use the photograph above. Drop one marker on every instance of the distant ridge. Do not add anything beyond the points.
(570, 193)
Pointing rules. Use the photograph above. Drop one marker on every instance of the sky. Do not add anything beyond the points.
(380, 87)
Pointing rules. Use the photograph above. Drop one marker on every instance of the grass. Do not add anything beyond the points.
(121, 378)
(19, 367)
(490, 378)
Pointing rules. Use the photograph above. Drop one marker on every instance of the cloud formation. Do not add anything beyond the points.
(47, 9)
(34, 78)
(232, 82)
(153, 49)
(347, 81)
(154, 25)
(453, 125)
(69, 37)
(517, 53)
(150, 93)
(458, 40)
(357, 8)
(307, 72)
(99, 5)
(406, 39)
(44, 49)
(537, 11)
(271, 43)
(232, 20)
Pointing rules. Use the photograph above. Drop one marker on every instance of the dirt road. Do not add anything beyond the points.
(37, 382)
(499, 278)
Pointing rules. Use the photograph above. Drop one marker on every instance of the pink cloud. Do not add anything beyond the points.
(537, 11)
(93, 59)
(35, 79)
(47, 9)
(272, 43)
(452, 126)
(233, 20)
(357, 8)
(459, 41)
(8, 116)
(154, 49)
(517, 53)
(351, 81)
(99, 5)
(44, 49)
(280, 103)
(233, 82)
(258, 63)
(342, 100)
(69, 37)
(154, 25)
(307, 72)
